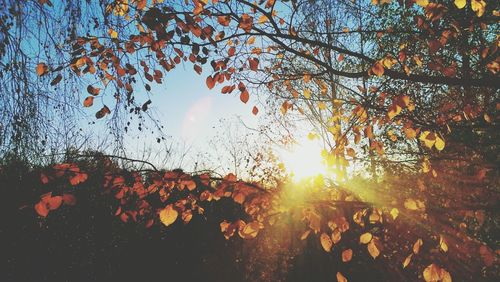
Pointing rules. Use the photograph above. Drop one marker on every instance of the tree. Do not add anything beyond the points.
(383, 82)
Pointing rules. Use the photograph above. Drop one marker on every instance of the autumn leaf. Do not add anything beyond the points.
(307, 93)
(262, 19)
(460, 3)
(373, 249)
(394, 213)
(422, 3)
(347, 255)
(102, 112)
(341, 278)
(210, 82)
(255, 110)
(168, 215)
(305, 234)
(417, 245)
(442, 243)
(365, 238)
(88, 102)
(407, 260)
(56, 80)
(414, 205)
(78, 178)
(244, 96)
(326, 242)
(254, 63)
(112, 33)
(246, 22)
(434, 273)
(93, 90)
(478, 6)
(41, 69)
(250, 230)
(439, 143)
(377, 69)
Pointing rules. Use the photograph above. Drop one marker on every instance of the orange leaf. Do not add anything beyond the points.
(69, 199)
(41, 209)
(78, 178)
(255, 110)
(244, 96)
(41, 69)
(347, 255)
(254, 63)
(88, 102)
(341, 278)
(210, 82)
(377, 69)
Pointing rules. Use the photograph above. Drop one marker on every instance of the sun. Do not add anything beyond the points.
(304, 160)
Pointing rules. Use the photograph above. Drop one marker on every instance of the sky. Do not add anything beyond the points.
(190, 113)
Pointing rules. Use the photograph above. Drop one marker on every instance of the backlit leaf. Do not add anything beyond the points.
(478, 6)
(250, 230)
(365, 238)
(326, 242)
(373, 249)
(341, 278)
(407, 260)
(417, 245)
(168, 215)
(347, 255)
(439, 143)
(460, 3)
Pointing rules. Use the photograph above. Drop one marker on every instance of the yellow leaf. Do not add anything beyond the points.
(439, 143)
(407, 261)
(414, 205)
(478, 6)
(168, 215)
(442, 243)
(460, 3)
(341, 278)
(394, 213)
(251, 40)
(262, 19)
(422, 3)
(347, 255)
(487, 118)
(336, 236)
(326, 242)
(307, 93)
(305, 234)
(321, 105)
(365, 238)
(417, 245)
(112, 33)
(373, 250)
(433, 273)
(250, 230)
(426, 137)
